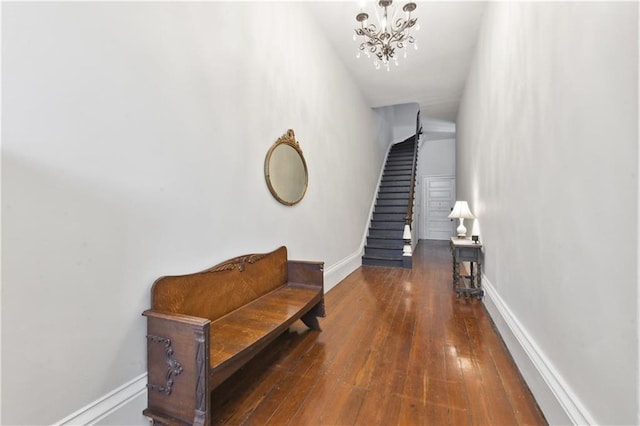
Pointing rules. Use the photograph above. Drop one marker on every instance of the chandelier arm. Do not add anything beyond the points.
(399, 32)
(401, 25)
(373, 36)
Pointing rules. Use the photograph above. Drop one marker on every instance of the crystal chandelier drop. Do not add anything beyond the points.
(388, 36)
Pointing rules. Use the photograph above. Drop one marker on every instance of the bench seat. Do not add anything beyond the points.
(251, 327)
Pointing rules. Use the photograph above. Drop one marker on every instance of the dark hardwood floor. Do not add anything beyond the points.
(397, 348)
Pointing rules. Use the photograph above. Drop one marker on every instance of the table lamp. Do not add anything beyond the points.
(461, 211)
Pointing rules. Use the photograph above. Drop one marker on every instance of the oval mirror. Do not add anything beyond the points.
(286, 171)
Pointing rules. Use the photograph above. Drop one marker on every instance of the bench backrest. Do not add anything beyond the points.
(223, 288)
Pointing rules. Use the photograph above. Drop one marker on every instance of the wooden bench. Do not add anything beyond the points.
(203, 327)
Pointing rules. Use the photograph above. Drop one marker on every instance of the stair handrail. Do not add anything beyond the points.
(409, 216)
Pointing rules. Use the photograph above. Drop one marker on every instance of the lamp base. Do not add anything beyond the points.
(461, 229)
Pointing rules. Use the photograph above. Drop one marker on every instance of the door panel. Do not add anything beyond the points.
(439, 197)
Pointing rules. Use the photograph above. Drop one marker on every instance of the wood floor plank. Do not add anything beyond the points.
(397, 348)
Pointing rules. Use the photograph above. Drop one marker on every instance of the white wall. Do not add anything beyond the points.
(438, 157)
(402, 118)
(133, 142)
(548, 160)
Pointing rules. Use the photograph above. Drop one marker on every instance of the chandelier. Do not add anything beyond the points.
(389, 35)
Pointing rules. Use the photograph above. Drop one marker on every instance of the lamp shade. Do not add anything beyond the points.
(461, 211)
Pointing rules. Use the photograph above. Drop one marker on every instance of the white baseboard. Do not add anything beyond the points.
(554, 396)
(339, 270)
(101, 409)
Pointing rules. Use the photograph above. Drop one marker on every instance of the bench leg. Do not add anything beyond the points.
(310, 319)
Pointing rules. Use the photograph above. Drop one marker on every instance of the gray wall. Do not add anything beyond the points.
(437, 157)
(133, 142)
(548, 160)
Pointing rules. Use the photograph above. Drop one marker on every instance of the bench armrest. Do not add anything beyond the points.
(309, 274)
(304, 272)
(178, 368)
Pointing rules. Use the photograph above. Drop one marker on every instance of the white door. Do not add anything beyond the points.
(438, 197)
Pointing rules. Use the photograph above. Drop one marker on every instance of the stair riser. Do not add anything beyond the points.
(404, 159)
(385, 233)
(394, 178)
(394, 190)
(400, 183)
(387, 244)
(392, 202)
(390, 193)
(399, 162)
(390, 209)
(368, 251)
(396, 226)
(394, 184)
(389, 216)
(377, 262)
(396, 167)
(397, 171)
(388, 171)
(393, 195)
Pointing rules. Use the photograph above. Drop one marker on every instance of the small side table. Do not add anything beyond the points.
(465, 250)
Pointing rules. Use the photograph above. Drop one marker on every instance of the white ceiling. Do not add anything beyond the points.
(433, 76)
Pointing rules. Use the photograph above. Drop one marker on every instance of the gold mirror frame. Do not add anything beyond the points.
(288, 179)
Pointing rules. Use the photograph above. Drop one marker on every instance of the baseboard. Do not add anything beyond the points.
(339, 271)
(554, 396)
(99, 411)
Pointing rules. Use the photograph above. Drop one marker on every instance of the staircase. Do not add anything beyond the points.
(384, 242)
